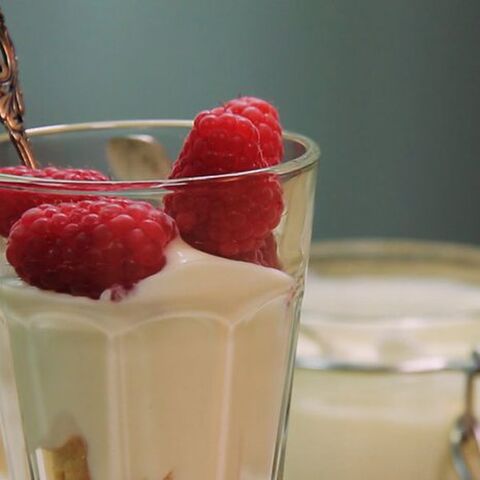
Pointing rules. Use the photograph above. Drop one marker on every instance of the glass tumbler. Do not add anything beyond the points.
(185, 374)
(387, 360)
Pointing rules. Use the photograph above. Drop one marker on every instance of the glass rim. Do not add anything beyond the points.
(396, 249)
(301, 163)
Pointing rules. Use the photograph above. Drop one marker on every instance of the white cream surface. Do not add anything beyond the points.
(184, 376)
(347, 426)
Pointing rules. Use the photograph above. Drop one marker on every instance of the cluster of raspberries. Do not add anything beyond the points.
(83, 247)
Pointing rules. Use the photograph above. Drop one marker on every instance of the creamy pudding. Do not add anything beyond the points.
(10, 416)
(181, 379)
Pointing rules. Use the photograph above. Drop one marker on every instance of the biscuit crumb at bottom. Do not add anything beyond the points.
(68, 462)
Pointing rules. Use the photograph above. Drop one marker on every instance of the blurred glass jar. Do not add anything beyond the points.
(387, 333)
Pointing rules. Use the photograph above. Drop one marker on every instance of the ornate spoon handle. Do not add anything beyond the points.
(11, 100)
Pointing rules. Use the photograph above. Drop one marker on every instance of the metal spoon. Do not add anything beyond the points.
(138, 157)
(465, 436)
(11, 99)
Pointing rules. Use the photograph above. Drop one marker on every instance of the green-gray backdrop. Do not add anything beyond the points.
(389, 88)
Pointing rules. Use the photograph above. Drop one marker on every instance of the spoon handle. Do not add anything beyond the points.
(11, 100)
(465, 436)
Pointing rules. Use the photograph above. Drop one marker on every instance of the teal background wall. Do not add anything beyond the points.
(389, 88)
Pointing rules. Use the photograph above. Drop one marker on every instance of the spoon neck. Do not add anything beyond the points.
(11, 99)
(23, 147)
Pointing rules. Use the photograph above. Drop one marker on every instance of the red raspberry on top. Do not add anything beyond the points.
(265, 255)
(265, 117)
(229, 218)
(14, 202)
(219, 142)
(87, 247)
(72, 174)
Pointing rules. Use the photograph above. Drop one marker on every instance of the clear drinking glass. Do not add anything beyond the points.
(187, 377)
(383, 363)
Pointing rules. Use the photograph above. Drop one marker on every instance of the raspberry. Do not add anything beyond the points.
(230, 219)
(87, 247)
(219, 142)
(227, 219)
(14, 202)
(265, 255)
(265, 117)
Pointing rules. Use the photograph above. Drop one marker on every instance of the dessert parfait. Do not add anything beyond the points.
(152, 337)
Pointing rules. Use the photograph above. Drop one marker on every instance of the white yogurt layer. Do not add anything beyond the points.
(184, 376)
(5, 267)
(348, 426)
(10, 415)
